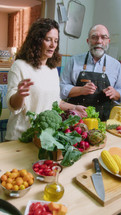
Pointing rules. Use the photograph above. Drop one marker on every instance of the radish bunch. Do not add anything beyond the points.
(83, 131)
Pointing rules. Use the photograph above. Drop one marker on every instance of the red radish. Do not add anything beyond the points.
(67, 130)
(82, 144)
(87, 145)
(84, 134)
(78, 130)
(81, 149)
(81, 121)
(75, 145)
(76, 124)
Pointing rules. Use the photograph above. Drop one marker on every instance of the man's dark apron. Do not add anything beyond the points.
(102, 103)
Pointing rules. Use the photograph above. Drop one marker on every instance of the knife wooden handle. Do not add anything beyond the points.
(96, 165)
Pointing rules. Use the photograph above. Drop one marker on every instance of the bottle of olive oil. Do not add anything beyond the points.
(54, 191)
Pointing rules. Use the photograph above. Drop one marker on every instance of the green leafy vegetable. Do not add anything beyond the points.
(28, 135)
(56, 107)
(49, 128)
(91, 112)
(71, 156)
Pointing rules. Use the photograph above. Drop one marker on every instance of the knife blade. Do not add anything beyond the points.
(98, 180)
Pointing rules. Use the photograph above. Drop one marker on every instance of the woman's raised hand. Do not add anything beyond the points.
(24, 87)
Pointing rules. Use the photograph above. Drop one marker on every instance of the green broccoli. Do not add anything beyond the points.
(48, 119)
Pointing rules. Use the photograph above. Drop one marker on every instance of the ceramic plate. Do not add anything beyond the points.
(105, 167)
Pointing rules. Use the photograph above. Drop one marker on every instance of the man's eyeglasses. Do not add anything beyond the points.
(96, 38)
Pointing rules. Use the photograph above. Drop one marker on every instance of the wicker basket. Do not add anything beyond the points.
(57, 155)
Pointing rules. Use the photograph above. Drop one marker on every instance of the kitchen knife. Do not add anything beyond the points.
(97, 180)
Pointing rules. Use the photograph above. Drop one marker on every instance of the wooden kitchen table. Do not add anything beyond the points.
(15, 154)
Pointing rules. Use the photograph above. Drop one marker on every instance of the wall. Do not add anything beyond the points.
(108, 12)
(68, 45)
(3, 30)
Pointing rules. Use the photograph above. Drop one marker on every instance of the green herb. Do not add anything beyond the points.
(114, 126)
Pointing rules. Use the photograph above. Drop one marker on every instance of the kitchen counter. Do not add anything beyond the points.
(15, 154)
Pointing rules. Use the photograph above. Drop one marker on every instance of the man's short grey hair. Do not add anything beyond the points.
(94, 27)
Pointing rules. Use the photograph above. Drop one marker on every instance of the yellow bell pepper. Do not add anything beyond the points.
(91, 123)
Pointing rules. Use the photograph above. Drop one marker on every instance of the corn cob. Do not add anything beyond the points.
(117, 158)
(109, 161)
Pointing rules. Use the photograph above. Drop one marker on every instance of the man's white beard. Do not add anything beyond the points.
(98, 52)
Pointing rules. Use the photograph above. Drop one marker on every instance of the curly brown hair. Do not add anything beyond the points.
(31, 49)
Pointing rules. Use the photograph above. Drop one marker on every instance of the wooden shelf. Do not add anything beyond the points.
(5, 64)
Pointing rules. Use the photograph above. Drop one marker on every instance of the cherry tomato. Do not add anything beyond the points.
(48, 162)
(36, 165)
(41, 171)
(118, 127)
(51, 173)
(43, 166)
(46, 171)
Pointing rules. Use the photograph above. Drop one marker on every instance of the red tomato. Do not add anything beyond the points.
(51, 173)
(31, 213)
(41, 171)
(36, 165)
(37, 205)
(46, 208)
(46, 171)
(46, 213)
(31, 208)
(38, 211)
(48, 162)
(43, 166)
(36, 169)
(118, 127)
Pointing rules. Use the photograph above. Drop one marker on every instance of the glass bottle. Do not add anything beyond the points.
(54, 191)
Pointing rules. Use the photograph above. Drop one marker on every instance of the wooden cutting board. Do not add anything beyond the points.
(112, 185)
(97, 147)
(114, 131)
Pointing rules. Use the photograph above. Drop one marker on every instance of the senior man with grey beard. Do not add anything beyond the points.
(93, 78)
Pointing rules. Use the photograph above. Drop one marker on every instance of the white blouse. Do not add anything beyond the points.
(43, 93)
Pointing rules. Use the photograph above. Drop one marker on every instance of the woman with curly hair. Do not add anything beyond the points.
(33, 81)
